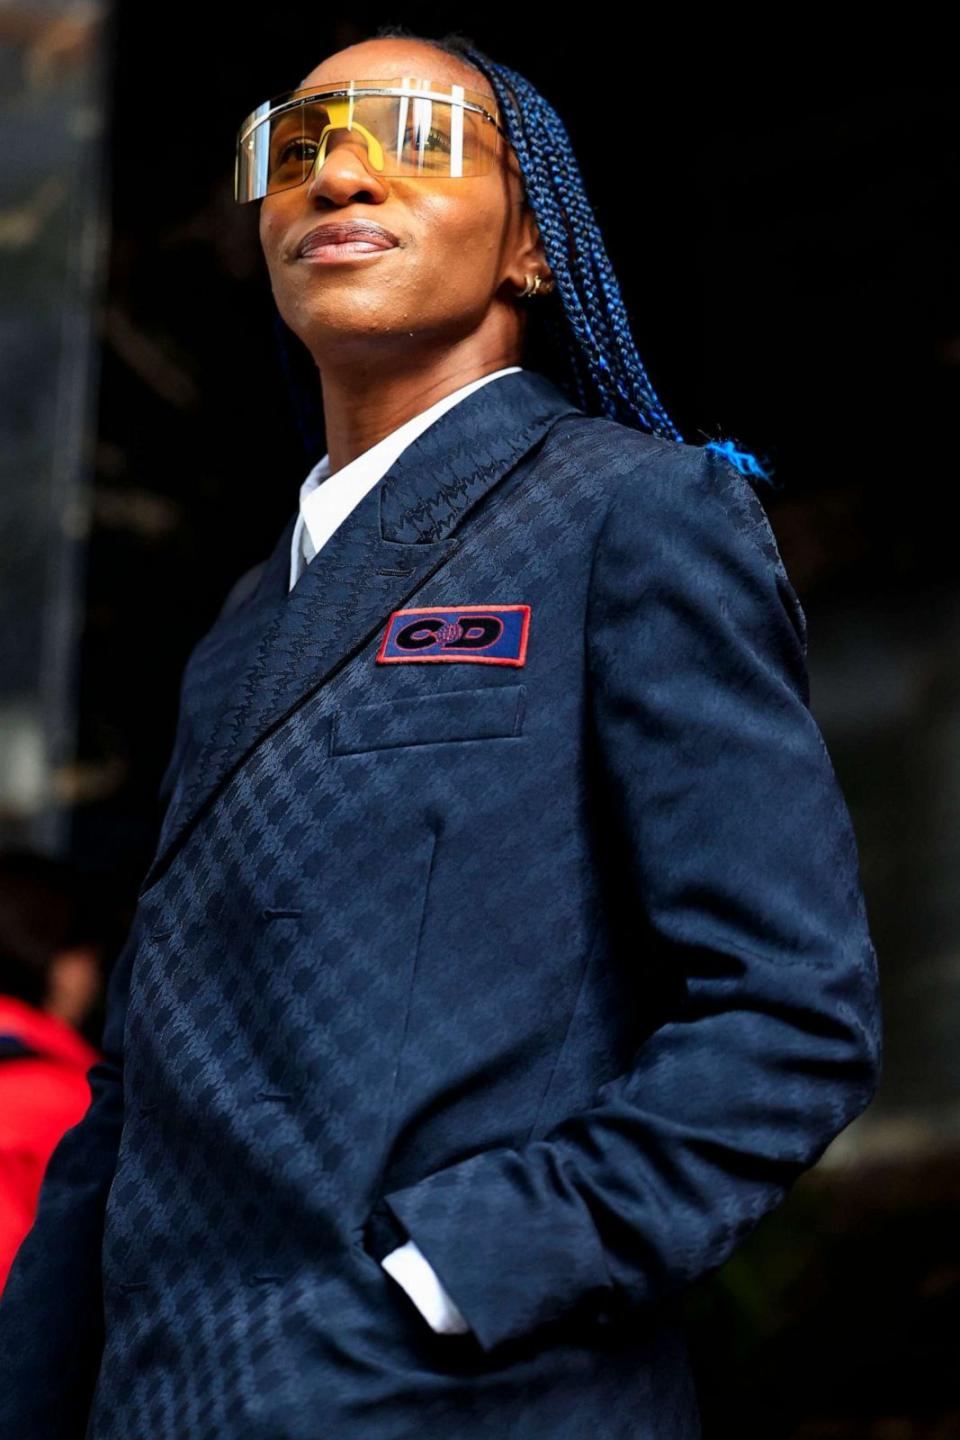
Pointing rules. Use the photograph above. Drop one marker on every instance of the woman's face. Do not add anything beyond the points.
(465, 244)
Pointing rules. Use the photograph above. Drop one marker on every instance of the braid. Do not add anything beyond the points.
(579, 334)
(589, 350)
(611, 378)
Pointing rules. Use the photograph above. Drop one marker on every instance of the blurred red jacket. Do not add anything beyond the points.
(42, 1094)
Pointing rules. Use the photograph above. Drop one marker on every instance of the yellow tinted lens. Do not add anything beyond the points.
(408, 133)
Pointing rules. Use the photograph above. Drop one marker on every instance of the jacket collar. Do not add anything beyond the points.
(370, 467)
(264, 658)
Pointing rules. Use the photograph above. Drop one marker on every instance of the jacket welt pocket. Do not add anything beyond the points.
(486, 713)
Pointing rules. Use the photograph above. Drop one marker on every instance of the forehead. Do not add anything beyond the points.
(386, 59)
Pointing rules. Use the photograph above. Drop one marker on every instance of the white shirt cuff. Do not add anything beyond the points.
(411, 1269)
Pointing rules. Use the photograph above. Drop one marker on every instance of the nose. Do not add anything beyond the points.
(344, 172)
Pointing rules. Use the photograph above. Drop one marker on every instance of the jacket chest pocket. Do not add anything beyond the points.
(486, 713)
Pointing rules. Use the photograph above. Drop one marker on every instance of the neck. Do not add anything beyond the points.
(362, 404)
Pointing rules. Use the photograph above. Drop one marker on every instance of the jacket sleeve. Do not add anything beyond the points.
(742, 867)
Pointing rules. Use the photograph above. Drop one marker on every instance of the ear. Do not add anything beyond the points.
(529, 255)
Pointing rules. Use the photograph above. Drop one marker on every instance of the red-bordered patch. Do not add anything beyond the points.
(482, 634)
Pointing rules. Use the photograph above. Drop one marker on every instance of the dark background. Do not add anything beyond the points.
(787, 251)
(786, 242)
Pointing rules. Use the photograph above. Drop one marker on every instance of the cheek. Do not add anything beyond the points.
(455, 229)
(266, 233)
(274, 224)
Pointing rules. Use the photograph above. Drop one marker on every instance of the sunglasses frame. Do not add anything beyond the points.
(288, 100)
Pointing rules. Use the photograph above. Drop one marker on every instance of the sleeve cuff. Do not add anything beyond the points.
(511, 1237)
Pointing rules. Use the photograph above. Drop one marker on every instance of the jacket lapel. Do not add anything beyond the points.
(275, 650)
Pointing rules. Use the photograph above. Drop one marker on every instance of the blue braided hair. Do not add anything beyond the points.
(579, 333)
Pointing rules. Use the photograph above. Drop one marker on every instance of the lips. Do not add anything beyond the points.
(345, 232)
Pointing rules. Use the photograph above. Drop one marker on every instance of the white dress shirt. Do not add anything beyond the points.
(325, 502)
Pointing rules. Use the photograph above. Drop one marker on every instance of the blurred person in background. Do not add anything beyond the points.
(50, 984)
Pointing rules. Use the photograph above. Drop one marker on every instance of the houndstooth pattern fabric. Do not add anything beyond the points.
(561, 969)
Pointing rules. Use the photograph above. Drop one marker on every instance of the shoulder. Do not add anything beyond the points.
(610, 450)
(630, 466)
(671, 491)
(656, 494)
(586, 461)
(40, 1095)
(683, 526)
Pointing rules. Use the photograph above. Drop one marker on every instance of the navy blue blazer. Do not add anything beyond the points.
(505, 898)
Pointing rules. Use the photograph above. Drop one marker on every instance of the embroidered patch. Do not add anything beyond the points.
(485, 634)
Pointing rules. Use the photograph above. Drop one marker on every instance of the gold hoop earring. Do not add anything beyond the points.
(534, 285)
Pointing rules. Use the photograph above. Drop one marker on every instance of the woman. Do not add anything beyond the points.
(467, 1014)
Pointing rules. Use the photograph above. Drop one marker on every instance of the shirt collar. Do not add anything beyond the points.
(363, 472)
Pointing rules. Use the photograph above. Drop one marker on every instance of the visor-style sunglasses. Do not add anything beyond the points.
(409, 127)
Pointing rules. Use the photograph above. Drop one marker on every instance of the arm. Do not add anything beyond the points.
(386, 1241)
(741, 861)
